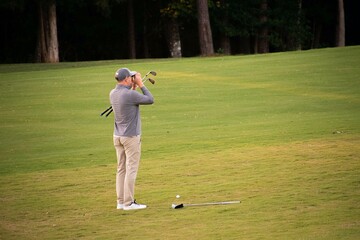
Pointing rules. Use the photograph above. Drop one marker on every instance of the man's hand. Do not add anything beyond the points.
(137, 81)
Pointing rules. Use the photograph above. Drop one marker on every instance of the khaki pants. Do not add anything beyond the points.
(128, 152)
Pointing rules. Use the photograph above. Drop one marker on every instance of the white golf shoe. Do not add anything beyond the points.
(134, 206)
(120, 206)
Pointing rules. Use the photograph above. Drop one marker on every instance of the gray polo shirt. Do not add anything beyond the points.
(125, 103)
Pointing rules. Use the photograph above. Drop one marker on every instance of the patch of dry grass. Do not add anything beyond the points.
(280, 132)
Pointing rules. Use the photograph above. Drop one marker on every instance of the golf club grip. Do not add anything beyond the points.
(109, 112)
(106, 110)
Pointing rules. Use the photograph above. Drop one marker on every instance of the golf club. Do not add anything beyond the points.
(150, 80)
(109, 109)
(177, 206)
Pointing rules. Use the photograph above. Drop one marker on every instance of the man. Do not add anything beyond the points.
(125, 104)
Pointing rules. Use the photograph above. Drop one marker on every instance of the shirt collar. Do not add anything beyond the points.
(119, 86)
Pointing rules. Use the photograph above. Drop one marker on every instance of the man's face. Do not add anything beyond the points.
(128, 81)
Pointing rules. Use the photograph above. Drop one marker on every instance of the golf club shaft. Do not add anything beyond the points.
(108, 109)
(145, 77)
(150, 72)
(109, 112)
(214, 203)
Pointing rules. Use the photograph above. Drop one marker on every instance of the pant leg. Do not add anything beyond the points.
(132, 146)
(121, 169)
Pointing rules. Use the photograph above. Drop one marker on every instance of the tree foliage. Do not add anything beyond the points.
(99, 29)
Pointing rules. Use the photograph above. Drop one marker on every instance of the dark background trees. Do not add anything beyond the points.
(119, 29)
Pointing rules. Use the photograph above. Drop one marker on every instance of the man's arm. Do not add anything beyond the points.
(142, 99)
(146, 97)
(149, 96)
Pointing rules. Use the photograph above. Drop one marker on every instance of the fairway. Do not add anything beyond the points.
(280, 132)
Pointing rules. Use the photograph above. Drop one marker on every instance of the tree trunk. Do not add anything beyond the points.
(317, 28)
(340, 29)
(263, 42)
(145, 32)
(131, 30)
(256, 44)
(145, 42)
(173, 37)
(205, 35)
(47, 46)
(245, 47)
(299, 47)
(225, 45)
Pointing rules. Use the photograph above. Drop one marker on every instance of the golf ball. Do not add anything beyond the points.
(177, 196)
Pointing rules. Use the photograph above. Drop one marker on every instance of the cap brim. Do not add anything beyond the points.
(132, 73)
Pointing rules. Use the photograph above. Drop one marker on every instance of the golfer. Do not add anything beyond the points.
(125, 102)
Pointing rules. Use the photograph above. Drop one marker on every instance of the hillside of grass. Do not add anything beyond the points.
(280, 132)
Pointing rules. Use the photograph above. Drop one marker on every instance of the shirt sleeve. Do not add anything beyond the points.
(143, 99)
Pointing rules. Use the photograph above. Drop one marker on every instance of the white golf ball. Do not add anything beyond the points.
(177, 196)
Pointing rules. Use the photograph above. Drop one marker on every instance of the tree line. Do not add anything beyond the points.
(82, 30)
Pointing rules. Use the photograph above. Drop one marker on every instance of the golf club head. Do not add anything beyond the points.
(174, 206)
(153, 73)
(152, 81)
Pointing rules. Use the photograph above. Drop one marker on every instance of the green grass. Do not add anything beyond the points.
(280, 132)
